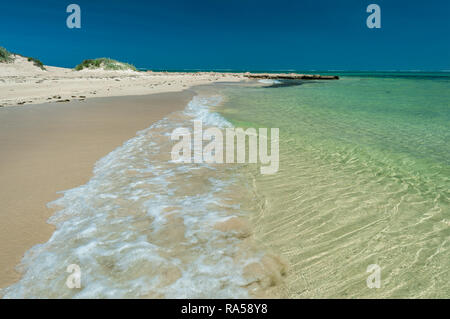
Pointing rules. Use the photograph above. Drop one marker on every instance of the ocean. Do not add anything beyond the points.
(363, 179)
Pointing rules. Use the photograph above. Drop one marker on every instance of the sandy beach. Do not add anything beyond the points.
(54, 126)
(52, 147)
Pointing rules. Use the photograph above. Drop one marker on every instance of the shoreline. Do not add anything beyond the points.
(256, 273)
(34, 168)
(80, 113)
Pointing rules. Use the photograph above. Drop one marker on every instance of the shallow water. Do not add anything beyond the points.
(364, 179)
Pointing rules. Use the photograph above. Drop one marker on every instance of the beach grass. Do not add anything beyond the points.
(106, 64)
(5, 56)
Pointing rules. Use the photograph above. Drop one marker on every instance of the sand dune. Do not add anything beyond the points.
(21, 82)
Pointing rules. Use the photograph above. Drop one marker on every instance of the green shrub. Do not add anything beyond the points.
(105, 63)
(36, 62)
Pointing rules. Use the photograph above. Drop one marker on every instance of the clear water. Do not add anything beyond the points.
(364, 179)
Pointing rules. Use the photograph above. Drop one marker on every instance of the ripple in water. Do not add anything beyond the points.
(364, 179)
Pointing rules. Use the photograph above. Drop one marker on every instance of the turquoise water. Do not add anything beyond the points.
(364, 179)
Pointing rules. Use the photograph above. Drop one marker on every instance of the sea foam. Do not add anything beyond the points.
(145, 227)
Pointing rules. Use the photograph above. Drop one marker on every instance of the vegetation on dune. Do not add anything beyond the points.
(36, 62)
(100, 63)
(106, 64)
(8, 57)
(5, 56)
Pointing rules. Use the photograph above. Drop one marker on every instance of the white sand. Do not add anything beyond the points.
(21, 82)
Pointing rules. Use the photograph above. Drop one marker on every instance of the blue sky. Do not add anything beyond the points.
(234, 34)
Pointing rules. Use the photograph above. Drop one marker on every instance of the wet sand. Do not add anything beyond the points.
(48, 148)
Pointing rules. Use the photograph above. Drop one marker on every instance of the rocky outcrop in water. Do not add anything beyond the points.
(290, 76)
